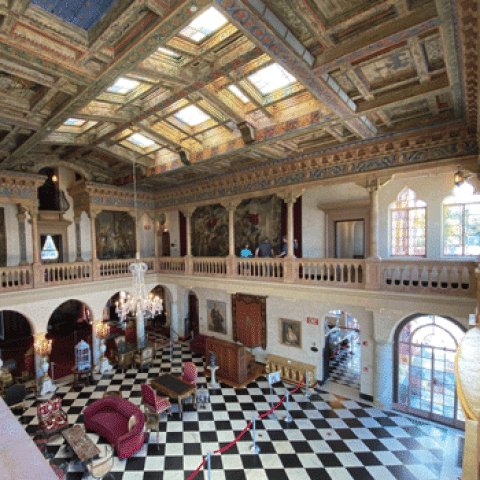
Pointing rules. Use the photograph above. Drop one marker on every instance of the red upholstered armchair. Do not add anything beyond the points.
(190, 373)
(154, 402)
(51, 418)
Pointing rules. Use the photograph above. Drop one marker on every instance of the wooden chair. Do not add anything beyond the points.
(101, 467)
(51, 418)
(154, 402)
(144, 357)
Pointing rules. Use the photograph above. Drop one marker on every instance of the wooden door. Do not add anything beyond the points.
(166, 244)
(193, 314)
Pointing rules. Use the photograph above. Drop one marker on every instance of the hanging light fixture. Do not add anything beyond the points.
(139, 301)
(458, 178)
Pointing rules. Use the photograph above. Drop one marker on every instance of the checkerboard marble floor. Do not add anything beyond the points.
(329, 438)
(345, 367)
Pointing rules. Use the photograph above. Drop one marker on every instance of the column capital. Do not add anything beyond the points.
(32, 210)
(93, 214)
(231, 204)
(290, 196)
(188, 211)
(373, 184)
(21, 212)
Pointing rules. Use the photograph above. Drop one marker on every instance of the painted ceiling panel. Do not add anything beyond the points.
(82, 13)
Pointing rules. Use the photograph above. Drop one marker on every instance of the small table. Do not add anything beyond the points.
(80, 443)
(112, 393)
(87, 373)
(152, 421)
(174, 388)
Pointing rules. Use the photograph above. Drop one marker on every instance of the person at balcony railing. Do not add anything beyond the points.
(246, 252)
(265, 249)
(284, 248)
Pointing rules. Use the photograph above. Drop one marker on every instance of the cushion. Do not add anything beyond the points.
(132, 421)
(111, 421)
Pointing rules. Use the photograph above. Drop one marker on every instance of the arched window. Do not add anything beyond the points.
(407, 220)
(425, 348)
(461, 223)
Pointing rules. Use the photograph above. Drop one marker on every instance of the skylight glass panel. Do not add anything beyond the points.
(271, 78)
(141, 141)
(206, 23)
(191, 115)
(74, 122)
(238, 93)
(123, 86)
(166, 51)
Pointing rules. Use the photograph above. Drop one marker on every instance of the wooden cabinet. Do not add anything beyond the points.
(233, 360)
(291, 371)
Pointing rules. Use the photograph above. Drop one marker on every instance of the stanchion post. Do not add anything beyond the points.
(307, 391)
(272, 415)
(255, 448)
(209, 455)
(288, 418)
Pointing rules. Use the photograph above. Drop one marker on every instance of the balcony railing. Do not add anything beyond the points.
(403, 276)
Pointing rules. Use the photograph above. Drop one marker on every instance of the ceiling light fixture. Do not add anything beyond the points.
(139, 303)
(458, 178)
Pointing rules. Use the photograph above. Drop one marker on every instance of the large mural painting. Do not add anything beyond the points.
(255, 219)
(115, 235)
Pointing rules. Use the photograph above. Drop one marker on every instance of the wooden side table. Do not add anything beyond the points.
(112, 393)
(152, 421)
(78, 374)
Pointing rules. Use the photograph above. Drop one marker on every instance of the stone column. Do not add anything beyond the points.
(33, 220)
(22, 240)
(477, 313)
(188, 212)
(290, 198)
(156, 223)
(93, 234)
(231, 207)
(135, 228)
(174, 329)
(78, 236)
(372, 188)
(383, 374)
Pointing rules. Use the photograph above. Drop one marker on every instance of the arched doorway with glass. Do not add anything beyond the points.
(424, 368)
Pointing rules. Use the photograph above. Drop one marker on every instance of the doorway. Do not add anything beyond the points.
(425, 385)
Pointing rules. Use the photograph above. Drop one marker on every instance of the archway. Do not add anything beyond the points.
(158, 324)
(70, 323)
(193, 319)
(127, 329)
(16, 343)
(342, 349)
(424, 369)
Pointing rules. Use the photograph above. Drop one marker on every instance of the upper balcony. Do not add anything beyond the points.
(400, 276)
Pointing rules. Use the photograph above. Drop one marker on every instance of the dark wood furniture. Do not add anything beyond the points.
(80, 443)
(174, 388)
(86, 374)
(112, 393)
(235, 362)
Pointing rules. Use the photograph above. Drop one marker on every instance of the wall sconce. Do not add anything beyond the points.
(458, 177)
(42, 346)
(54, 178)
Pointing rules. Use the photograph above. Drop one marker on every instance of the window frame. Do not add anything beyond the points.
(393, 209)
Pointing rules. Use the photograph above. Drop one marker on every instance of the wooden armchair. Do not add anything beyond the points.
(144, 357)
(51, 418)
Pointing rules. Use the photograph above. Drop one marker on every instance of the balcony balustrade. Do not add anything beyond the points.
(402, 276)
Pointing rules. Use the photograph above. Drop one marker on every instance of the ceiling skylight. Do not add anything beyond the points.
(123, 86)
(206, 23)
(74, 122)
(191, 115)
(166, 51)
(141, 141)
(234, 89)
(271, 78)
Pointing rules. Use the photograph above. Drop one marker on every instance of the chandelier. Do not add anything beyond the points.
(139, 301)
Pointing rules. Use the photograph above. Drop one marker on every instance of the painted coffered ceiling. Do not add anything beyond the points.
(192, 90)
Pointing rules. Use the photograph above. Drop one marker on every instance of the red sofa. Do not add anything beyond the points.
(109, 418)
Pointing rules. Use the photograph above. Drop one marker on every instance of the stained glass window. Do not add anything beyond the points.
(426, 369)
(49, 250)
(141, 141)
(74, 122)
(461, 225)
(191, 115)
(407, 220)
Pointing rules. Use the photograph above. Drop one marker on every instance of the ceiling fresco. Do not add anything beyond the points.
(192, 90)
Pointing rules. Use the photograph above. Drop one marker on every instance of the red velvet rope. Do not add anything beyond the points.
(233, 442)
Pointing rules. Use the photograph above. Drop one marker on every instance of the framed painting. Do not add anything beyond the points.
(217, 316)
(291, 333)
